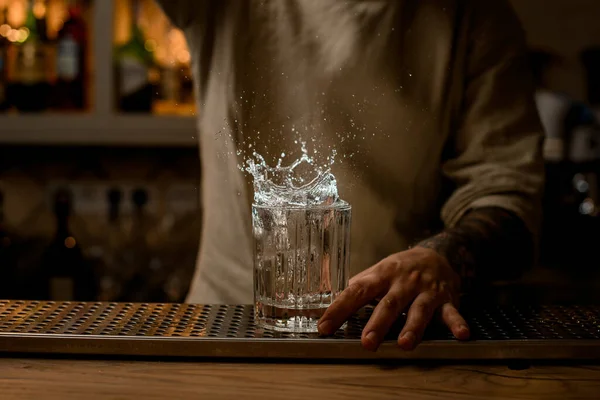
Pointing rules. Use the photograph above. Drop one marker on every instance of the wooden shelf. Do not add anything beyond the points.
(98, 130)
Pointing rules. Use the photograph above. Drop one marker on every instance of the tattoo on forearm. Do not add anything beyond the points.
(488, 243)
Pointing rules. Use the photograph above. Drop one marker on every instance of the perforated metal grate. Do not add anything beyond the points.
(132, 319)
(170, 329)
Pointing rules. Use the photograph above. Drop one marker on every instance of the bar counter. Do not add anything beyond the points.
(520, 349)
(25, 378)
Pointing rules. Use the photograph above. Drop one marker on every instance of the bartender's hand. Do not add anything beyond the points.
(420, 278)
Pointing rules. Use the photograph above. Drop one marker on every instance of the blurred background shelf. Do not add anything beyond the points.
(98, 130)
(81, 89)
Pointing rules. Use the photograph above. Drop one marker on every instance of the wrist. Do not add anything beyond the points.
(453, 249)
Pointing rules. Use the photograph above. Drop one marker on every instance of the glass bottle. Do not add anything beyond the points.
(41, 22)
(170, 81)
(71, 50)
(31, 86)
(112, 277)
(66, 273)
(134, 61)
(183, 225)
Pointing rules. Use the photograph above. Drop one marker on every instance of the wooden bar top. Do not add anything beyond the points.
(66, 379)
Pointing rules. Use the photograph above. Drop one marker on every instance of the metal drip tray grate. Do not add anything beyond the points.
(533, 332)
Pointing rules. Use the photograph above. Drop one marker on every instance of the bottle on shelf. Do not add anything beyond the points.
(133, 65)
(145, 269)
(71, 50)
(30, 86)
(66, 274)
(170, 78)
(176, 88)
(112, 277)
(41, 23)
(40, 12)
(4, 30)
(183, 224)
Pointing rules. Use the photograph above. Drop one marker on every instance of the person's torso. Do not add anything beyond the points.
(374, 80)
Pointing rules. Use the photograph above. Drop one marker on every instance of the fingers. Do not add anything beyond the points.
(385, 314)
(417, 319)
(349, 302)
(455, 322)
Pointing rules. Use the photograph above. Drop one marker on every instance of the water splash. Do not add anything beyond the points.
(303, 183)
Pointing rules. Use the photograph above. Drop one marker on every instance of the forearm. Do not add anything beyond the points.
(487, 243)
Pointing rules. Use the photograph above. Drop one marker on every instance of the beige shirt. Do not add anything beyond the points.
(430, 101)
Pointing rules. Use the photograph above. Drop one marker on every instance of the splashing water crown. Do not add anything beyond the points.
(303, 183)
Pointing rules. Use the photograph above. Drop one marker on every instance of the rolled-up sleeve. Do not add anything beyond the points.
(497, 157)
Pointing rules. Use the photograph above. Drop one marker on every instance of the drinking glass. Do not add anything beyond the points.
(301, 263)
